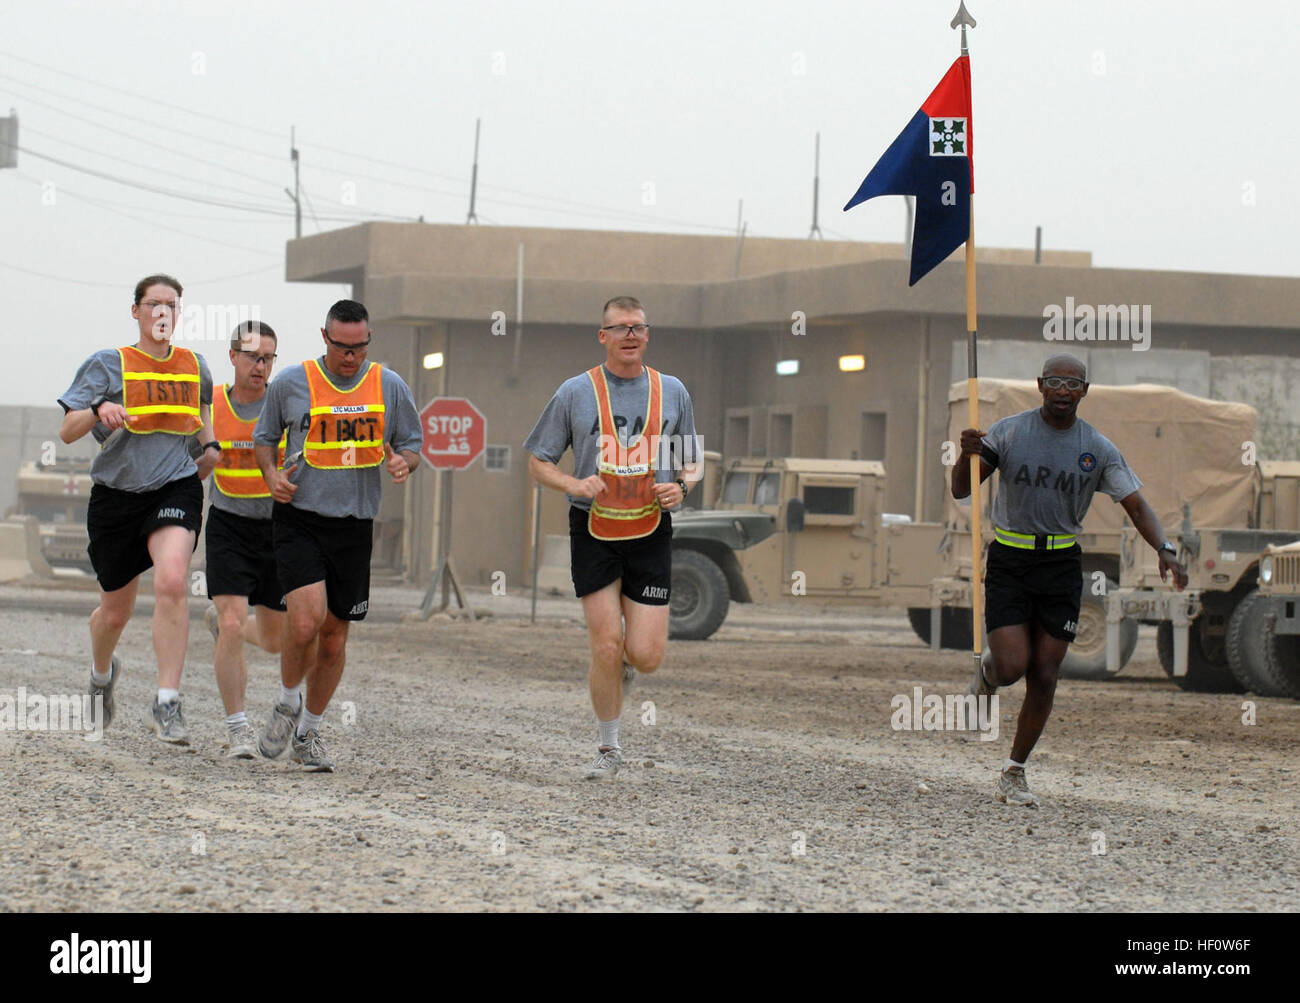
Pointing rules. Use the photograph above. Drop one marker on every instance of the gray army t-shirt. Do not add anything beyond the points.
(1047, 476)
(343, 492)
(572, 419)
(249, 508)
(128, 461)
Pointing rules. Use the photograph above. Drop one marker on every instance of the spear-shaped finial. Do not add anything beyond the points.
(962, 18)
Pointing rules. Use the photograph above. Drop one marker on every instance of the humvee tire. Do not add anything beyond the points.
(1267, 663)
(1249, 634)
(699, 597)
(1207, 671)
(954, 626)
(1086, 656)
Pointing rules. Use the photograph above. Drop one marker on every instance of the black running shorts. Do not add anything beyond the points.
(312, 548)
(241, 559)
(645, 565)
(1034, 586)
(119, 523)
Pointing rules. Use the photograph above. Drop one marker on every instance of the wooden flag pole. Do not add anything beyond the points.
(973, 392)
(962, 20)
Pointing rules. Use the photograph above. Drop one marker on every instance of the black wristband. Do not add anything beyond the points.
(96, 405)
(682, 484)
(209, 445)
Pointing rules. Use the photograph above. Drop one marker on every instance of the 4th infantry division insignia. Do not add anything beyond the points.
(947, 137)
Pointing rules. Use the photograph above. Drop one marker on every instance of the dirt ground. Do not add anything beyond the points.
(770, 779)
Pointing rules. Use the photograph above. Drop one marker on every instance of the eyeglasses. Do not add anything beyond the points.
(349, 350)
(623, 330)
(1056, 382)
(254, 358)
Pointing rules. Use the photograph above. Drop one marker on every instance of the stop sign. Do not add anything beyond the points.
(454, 431)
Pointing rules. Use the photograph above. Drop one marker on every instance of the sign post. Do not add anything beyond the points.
(454, 434)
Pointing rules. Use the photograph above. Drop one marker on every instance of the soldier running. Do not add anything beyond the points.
(623, 420)
(144, 404)
(346, 418)
(1051, 463)
(241, 558)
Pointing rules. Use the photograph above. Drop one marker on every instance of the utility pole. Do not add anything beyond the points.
(816, 230)
(9, 140)
(741, 227)
(295, 196)
(473, 177)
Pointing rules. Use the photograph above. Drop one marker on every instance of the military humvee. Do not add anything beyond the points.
(57, 494)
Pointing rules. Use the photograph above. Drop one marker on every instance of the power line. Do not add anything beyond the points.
(137, 118)
(128, 285)
(135, 163)
(601, 211)
(137, 94)
(189, 197)
(109, 207)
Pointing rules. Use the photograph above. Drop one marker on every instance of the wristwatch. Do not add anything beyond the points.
(1173, 551)
(96, 405)
(214, 444)
(681, 483)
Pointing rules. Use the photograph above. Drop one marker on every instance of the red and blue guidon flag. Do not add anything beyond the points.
(931, 159)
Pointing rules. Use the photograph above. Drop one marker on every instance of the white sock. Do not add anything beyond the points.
(308, 722)
(609, 734)
(236, 720)
(1012, 763)
(100, 680)
(167, 696)
(291, 697)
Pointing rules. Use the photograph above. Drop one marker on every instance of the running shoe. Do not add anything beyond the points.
(284, 719)
(169, 722)
(629, 676)
(243, 743)
(106, 691)
(310, 751)
(607, 764)
(1014, 789)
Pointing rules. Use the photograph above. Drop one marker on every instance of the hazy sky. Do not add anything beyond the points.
(1153, 134)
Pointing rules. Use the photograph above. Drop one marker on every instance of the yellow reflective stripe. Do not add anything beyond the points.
(1055, 541)
(348, 444)
(227, 472)
(164, 409)
(624, 513)
(177, 377)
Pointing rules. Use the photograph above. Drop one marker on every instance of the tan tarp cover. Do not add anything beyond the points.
(1182, 448)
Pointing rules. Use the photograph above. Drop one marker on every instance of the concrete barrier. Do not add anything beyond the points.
(20, 550)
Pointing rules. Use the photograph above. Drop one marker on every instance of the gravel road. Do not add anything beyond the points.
(764, 775)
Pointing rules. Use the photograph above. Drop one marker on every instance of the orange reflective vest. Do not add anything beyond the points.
(627, 509)
(347, 426)
(236, 474)
(161, 395)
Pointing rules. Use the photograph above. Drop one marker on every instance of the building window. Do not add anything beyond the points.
(497, 458)
(826, 500)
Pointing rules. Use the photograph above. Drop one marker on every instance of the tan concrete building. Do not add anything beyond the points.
(724, 314)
